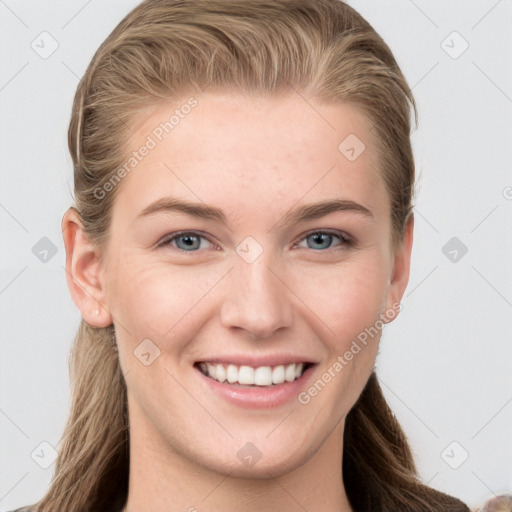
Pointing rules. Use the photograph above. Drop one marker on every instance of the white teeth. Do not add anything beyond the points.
(246, 375)
(212, 370)
(263, 376)
(249, 376)
(232, 374)
(220, 373)
(289, 373)
(278, 374)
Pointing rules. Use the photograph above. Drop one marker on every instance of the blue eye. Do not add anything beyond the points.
(320, 240)
(192, 241)
(188, 241)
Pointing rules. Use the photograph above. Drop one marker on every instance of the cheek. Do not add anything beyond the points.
(154, 301)
(348, 299)
(349, 302)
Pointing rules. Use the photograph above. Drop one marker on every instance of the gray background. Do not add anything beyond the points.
(444, 364)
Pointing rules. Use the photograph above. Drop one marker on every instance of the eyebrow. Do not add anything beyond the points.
(173, 204)
(317, 210)
(293, 216)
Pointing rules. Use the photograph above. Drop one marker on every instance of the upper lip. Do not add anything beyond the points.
(256, 361)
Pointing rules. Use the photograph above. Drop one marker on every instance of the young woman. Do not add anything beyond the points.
(242, 232)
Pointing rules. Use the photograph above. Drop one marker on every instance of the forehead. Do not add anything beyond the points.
(229, 148)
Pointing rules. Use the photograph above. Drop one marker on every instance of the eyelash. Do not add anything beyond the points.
(345, 240)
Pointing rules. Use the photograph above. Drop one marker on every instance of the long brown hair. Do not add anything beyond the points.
(322, 49)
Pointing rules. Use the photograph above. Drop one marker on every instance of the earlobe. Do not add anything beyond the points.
(84, 271)
(400, 272)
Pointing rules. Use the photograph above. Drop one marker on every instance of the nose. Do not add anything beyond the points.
(258, 300)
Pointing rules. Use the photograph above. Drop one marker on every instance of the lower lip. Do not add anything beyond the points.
(259, 397)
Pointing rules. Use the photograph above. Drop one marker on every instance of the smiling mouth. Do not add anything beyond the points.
(251, 375)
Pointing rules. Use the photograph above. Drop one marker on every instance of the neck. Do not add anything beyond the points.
(159, 479)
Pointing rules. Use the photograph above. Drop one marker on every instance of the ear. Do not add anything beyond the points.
(84, 271)
(400, 272)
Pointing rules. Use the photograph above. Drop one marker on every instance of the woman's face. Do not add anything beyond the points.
(286, 258)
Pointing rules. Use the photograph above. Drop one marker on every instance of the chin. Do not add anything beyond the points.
(274, 459)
